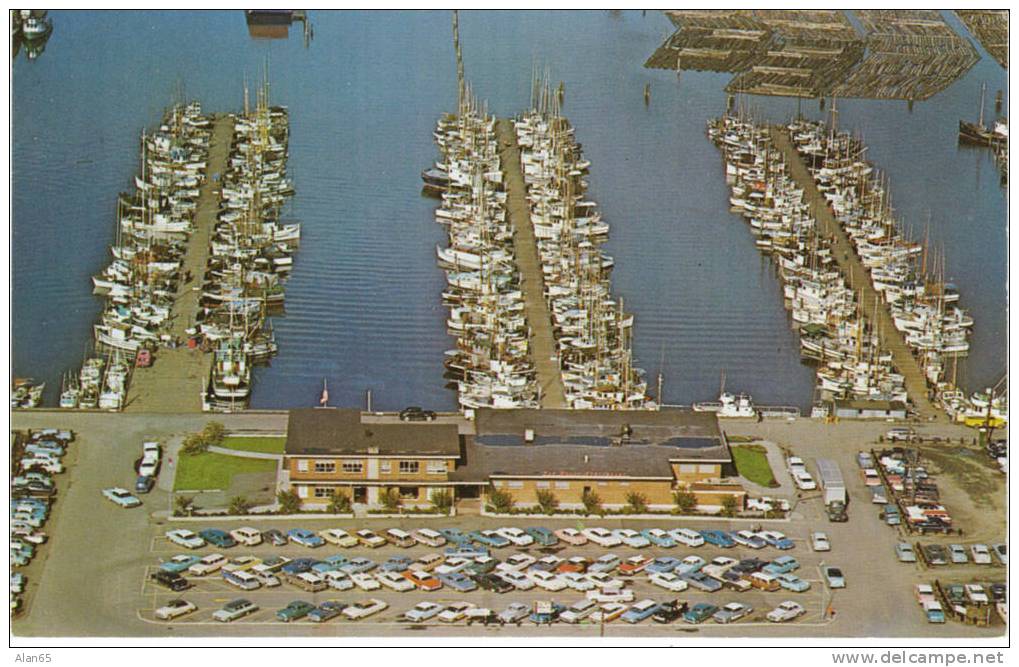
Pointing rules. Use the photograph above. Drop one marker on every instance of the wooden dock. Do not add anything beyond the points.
(175, 380)
(532, 283)
(858, 278)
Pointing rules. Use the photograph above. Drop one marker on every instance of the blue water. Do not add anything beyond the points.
(363, 305)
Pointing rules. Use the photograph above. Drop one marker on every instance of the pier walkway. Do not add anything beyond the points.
(858, 278)
(176, 379)
(539, 320)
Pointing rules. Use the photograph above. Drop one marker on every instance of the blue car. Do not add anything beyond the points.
(543, 536)
(781, 565)
(305, 537)
(217, 538)
(454, 535)
(397, 564)
(143, 484)
(469, 551)
(299, 565)
(359, 564)
(179, 563)
(330, 563)
(700, 612)
(717, 538)
(689, 565)
(658, 537)
(663, 564)
(703, 582)
(776, 539)
(546, 613)
(791, 582)
(640, 611)
(489, 538)
(458, 581)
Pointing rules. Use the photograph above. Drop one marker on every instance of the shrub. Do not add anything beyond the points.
(686, 502)
(500, 501)
(443, 501)
(239, 505)
(390, 499)
(183, 505)
(289, 502)
(729, 506)
(592, 502)
(636, 502)
(194, 444)
(213, 433)
(339, 504)
(547, 502)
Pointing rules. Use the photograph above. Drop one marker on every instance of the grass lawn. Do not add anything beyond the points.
(264, 445)
(214, 471)
(752, 463)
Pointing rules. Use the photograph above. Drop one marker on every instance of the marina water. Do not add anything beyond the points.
(363, 306)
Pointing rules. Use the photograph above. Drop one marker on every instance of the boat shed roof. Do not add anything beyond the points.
(339, 432)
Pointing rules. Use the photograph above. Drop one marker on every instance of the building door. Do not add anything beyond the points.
(360, 494)
(587, 490)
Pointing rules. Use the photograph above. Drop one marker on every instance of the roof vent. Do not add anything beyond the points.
(587, 459)
(529, 435)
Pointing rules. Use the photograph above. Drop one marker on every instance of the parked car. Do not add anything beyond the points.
(369, 539)
(669, 611)
(428, 537)
(423, 611)
(605, 595)
(179, 563)
(819, 541)
(234, 610)
(518, 580)
(633, 565)
(339, 537)
(247, 536)
(429, 562)
(934, 554)
(1001, 552)
(185, 538)
(608, 612)
(781, 565)
(718, 538)
(454, 535)
(395, 581)
(548, 563)
(574, 564)
(514, 613)
(878, 495)
(668, 581)
(602, 537)
(958, 553)
(686, 536)
(414, 413)
(175, 609)
(547, 580)
(364, 609)
(981, 554)
(900, 434)
(776, 539)
(699, 613)
(305, 538)
(604, 580)
(275, 537)
(170, 580)
(663, 564)
(791, 582)
(658, 537)
(241, 563)
(890, 515)
(426, 581)
(144, 484)
(121, 497)
(516, 536)
(399, 538)
(327, 610)
(489, 538)
(518, 561)
(364, 581)
(631, 538)
(357, 565)
(458, 581)
(217, 538)
(605, 563)
(576, 581)
(640, 611)
(689, 564)
(296, 610)
(571, 536)
(207, 565)
(455, 611)
(933, 611)
(702, 582)
(747, 538)
(578, 611)
(732, 612)
(543, 536)
(833, 576)
(786, 611)
(864, 460)
(803, 480)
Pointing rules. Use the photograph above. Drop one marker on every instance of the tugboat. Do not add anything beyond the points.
(729, 405)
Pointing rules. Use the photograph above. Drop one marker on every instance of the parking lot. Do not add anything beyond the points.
(94, 579)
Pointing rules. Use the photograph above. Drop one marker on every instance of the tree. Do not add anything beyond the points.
(636, 502)
(685, 501)
(194, 444)
(592, 502)
(239, 505)
(500, 501)
(443, 500)
(183, 505)
(390, 499)
(213, 433)
(729, 505)
(339, 503)
(289, 502)
(547, 501)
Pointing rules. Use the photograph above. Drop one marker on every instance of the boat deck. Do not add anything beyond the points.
(532, 283)
(175, 381)
(858, 278)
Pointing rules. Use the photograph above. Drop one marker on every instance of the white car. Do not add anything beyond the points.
(121, 497)
(175, 608)
(455, 611)
(690, 538)
(185, 538)
(364, 609)
(571, 536)
(804, 481)
(340, 581)
(247, 536)
(631, 538)
(578, 611)
(516, 536)
(339, 537)
(395, 581)
(207, 565)
(428, 537)
(819, 542)
(365, 581)
(786, 611)
(150, 459)
(795, 462)
(605, 563)
(602, 537)
(452, 564)
(611, 595)
(668, 581)
(981, 554)
(609, 612)
(241, 563)
(547, 580)
(519, 581)
(577, 581)
(370, 539)
(604, 580)
(423, 611)
(520, 561)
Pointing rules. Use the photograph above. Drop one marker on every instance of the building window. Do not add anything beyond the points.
(542, 485)
(302, 465)
(603, 483)
(497, 483)
(706, 468)
(516, 484)
(409, 467)
(302, 491)
(385, 467)
(436, 467)
(353, 467)
(324, 492)
(409, 492)
(562, 485)
(624, 484)
(325, 466)
(687, 467)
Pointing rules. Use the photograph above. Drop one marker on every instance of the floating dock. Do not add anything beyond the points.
(532, 283)
(175, 381)
(990, 27)
(858, 278)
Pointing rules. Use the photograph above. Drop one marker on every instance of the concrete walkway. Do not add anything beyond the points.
(246, 454)
(532, 283)
(785, 488)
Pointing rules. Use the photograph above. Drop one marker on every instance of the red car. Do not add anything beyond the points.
(423, 580)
